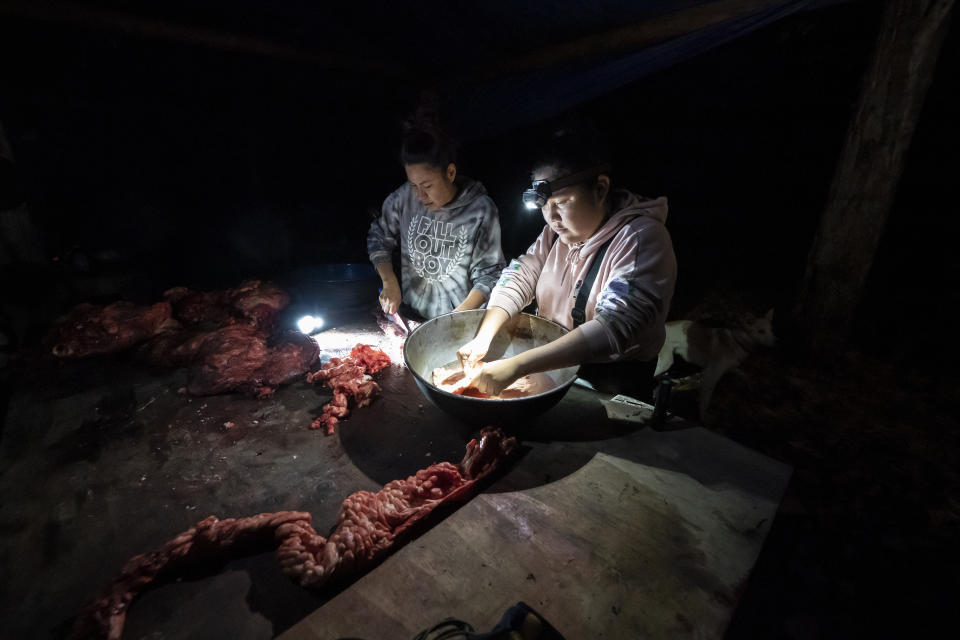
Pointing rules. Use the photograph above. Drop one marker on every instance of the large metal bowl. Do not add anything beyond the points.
(434, 344)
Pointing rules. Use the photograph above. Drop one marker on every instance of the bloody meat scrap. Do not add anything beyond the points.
(92, 329)
(349, 378)
(368, 526)
(372, 360)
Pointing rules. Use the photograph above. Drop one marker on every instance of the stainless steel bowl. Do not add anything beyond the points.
(434, 344)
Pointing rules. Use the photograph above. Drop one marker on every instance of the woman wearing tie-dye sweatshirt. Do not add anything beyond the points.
(446, 227)
(628, 301)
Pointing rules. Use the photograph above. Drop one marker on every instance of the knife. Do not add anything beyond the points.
(400, 321)
(398, 318)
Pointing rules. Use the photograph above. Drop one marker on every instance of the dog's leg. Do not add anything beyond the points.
(664, 361)
(711, 375)
(743, 377)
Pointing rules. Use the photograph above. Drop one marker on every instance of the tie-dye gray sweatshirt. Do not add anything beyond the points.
(630, 298)
(444, 253)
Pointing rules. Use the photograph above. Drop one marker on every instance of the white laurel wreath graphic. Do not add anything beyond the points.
(417, 264)
(461, 249)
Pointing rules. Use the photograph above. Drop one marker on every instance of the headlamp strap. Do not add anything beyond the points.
(579, 176)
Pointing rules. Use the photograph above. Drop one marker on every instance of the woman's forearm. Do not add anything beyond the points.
(567, 351)
(387, 276)
(493, 319)
(473, 300)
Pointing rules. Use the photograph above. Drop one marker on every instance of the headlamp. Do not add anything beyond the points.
(541, 190)
(536, 196)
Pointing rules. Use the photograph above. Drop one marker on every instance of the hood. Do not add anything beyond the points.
(468, 190)
(626, 206)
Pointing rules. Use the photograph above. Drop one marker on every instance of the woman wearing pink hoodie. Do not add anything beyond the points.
(622, 313)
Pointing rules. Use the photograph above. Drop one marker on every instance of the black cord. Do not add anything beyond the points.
(454, 629)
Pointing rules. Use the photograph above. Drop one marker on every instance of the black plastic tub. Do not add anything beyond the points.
(335, 292)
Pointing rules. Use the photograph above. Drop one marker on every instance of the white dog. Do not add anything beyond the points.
(715, 350)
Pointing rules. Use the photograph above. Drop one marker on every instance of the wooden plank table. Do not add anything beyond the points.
(127, 463)
(626, 546)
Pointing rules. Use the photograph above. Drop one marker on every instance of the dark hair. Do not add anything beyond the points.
(424, 141)
(574, 146)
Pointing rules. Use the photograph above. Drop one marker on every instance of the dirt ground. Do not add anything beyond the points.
(864, 544)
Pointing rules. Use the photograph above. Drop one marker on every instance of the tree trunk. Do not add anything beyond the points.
(869, 168)
(19, 239)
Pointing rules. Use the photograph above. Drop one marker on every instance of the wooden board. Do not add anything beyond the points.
(616, 549)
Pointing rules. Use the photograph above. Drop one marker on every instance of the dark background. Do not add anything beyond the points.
(178, 163)
(148, 163)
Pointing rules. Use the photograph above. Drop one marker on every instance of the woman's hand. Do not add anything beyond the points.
(472, 353)
(390, 297)
(496, 376)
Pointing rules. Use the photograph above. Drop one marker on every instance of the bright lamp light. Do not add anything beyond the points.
(309, 324)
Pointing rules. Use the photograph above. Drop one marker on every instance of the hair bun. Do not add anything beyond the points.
(426, 117)
(424, 139)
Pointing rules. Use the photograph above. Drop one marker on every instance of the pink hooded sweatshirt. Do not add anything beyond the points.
(630, 298)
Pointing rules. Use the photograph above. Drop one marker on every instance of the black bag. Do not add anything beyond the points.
(519, 622)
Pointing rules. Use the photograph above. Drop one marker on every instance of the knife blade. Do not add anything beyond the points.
(400, 321)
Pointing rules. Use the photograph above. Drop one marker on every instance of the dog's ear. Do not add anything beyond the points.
(769, 315)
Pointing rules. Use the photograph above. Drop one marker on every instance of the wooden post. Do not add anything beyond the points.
(869, 168)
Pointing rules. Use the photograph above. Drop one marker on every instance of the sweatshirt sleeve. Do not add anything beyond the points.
(384, 233)
(517, 285)
(487, 261)
(633, 303)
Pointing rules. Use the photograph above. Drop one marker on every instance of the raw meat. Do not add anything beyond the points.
(453, 379)
(372, 360)
(349, 378)
(92, 329)
(238, 358)
(207, 541)
(173, 348)
(253, 301)
(368, 527)
(471, 391)
(259, 301)
(208, 309)
(390, 327)
(223, 336)
(369, 523)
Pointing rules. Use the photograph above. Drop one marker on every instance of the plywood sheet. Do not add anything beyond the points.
(616, 549)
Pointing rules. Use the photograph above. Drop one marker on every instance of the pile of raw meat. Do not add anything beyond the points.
(350, 378)
(227, 338)
(369, 525)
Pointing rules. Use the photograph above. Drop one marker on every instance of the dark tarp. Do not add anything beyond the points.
(470, 52)
(498, 105)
